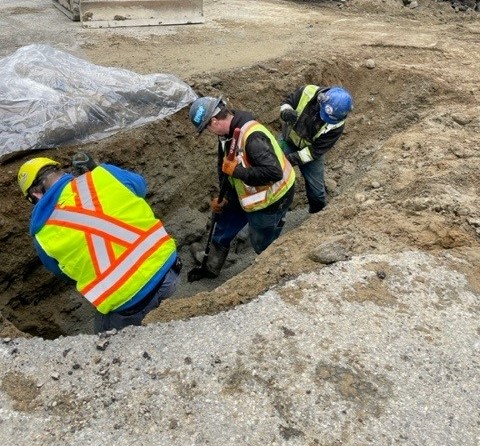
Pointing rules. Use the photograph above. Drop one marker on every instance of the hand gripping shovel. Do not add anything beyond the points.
(201, 271)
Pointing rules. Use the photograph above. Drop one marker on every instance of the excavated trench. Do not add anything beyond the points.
(180, 170)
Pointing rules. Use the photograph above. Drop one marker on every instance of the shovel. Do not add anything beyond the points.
(201, 271)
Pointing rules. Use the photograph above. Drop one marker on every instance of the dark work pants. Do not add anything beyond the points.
(104, 322)
(314, 175)
(264, 226)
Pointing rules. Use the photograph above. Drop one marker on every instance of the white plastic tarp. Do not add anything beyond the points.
(50, 98)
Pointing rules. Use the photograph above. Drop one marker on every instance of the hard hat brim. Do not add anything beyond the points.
(29, 171)
(209, 114)
(328, 119)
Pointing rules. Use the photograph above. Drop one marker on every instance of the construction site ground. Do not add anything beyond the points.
(379, 339)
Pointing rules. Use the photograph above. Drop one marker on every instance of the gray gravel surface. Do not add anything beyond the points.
(379, 350)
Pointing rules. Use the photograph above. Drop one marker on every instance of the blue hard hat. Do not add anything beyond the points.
(335, 104)
(203, 110)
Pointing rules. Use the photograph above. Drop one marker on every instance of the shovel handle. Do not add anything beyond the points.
(223, 189)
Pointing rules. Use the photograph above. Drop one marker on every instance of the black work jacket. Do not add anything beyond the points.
(307, 126)
(264, 166)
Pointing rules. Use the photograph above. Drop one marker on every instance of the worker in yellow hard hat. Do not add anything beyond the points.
(98, 230)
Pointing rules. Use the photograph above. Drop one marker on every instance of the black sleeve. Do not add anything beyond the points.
(323, 144)
(319, 147)
(220, 156)
(264, 165)
(294, 158)
(230, 193)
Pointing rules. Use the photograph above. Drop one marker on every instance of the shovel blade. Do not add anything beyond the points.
(199, 273)
(196, 273)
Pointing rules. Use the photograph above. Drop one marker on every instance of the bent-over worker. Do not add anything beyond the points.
(314, 119)
(97, 230)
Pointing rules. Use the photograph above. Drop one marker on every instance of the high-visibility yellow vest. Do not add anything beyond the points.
(304, 145)
(254, 198)
(106, 238)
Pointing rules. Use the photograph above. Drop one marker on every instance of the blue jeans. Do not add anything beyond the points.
(104, 322)
(313, 173)
(264, 226)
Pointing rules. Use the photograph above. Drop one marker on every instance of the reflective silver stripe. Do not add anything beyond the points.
(285, 107)
(101, 252)
(327, 127)
(90, 222)
(124, 267)
(253, 199)
(261, 196)
(99, 243)
(305, 155)
(84, 193)
(299, 141)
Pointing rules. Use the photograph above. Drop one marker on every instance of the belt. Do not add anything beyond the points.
(139, 306)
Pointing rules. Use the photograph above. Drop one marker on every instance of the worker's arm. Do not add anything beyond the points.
(319, 147)
(264, 165)
(134, 181)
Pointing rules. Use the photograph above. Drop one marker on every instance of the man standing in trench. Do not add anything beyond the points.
(98, 231)
(314, 119)
(260, 186)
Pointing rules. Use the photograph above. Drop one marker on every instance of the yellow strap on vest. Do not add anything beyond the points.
(304, 145)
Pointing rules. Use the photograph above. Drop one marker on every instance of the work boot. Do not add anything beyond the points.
(197, 251)
(216, 259)
(317, 207)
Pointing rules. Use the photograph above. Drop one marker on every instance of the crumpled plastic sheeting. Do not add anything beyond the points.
(49, 98)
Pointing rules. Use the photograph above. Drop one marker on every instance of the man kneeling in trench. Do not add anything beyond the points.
(98, 231)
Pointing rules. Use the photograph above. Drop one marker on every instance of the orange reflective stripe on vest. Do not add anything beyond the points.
(99, 289)
(101, 231)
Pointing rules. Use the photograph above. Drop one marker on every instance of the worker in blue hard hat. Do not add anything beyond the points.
(314, 119)
(259, 181)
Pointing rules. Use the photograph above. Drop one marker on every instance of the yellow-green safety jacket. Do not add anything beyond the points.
(105, 238)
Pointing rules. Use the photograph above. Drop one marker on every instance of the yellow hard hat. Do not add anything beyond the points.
(28, 172)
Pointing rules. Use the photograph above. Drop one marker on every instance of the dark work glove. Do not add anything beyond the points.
(289, 115)
(83, 162)
(292, 158)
